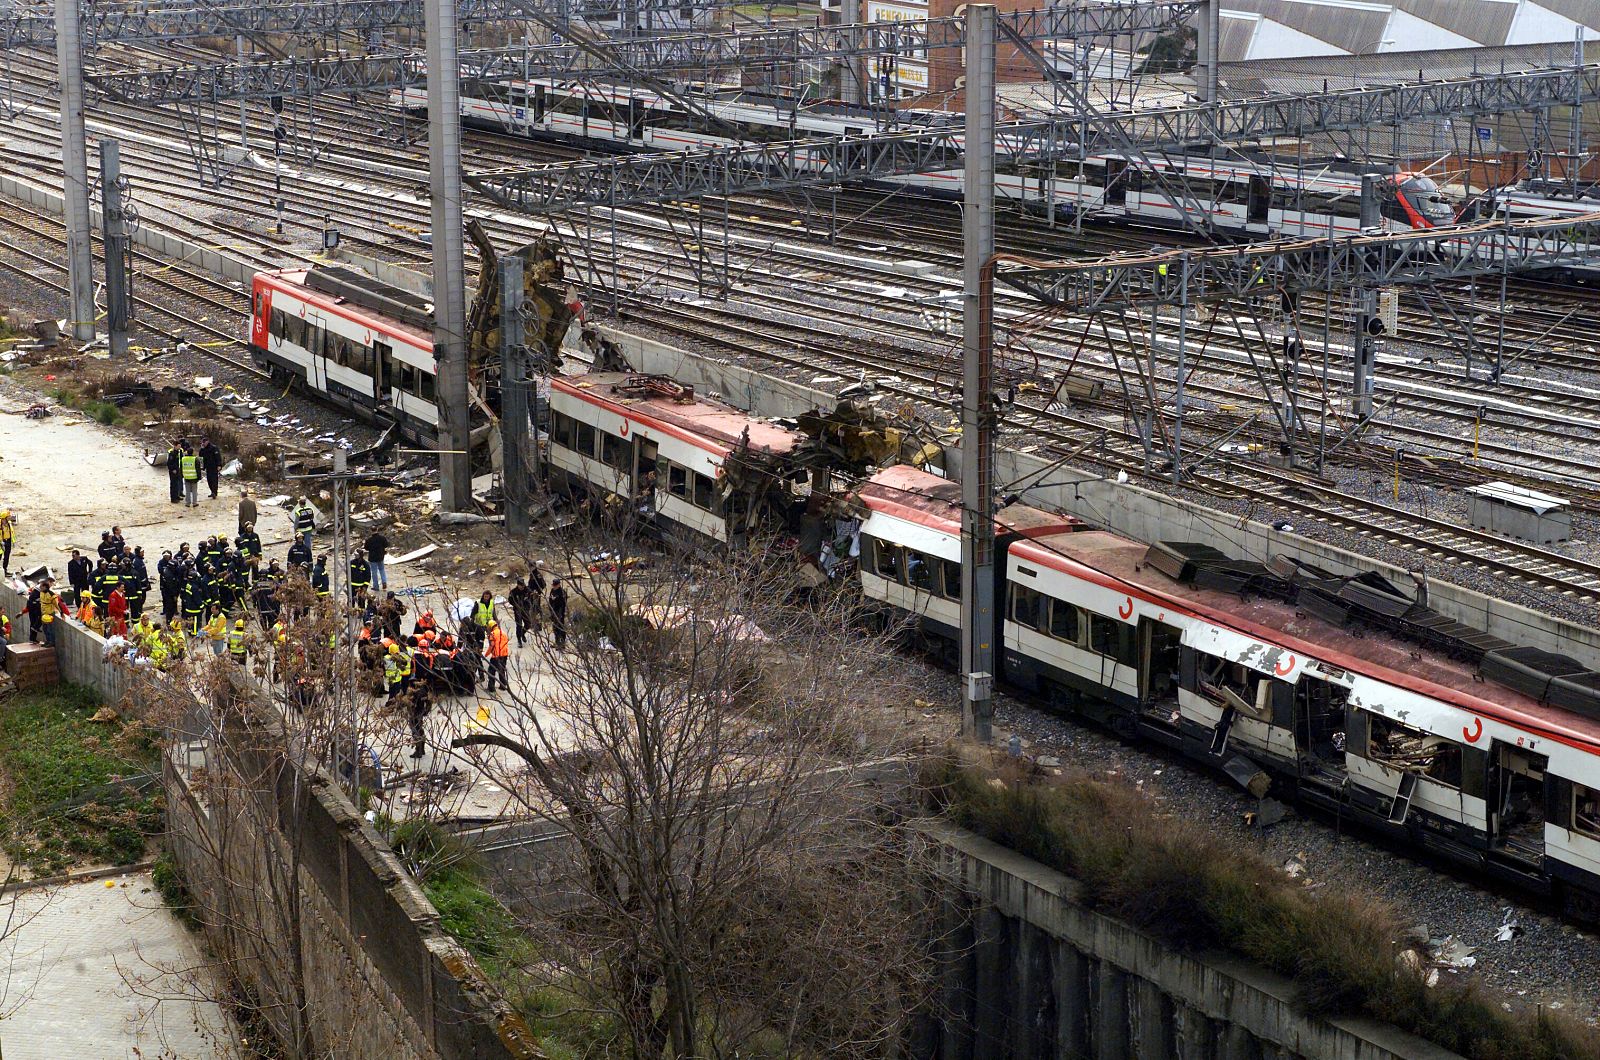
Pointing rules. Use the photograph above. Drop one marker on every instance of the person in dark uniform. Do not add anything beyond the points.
(211, 461)
(175, 471)
(558, 613)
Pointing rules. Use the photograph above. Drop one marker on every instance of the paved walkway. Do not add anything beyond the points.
(100, 972)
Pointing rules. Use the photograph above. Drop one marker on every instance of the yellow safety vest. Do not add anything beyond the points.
(217, 628)
(191, 468)
(49, 604)
(6, 530)
(236, 639)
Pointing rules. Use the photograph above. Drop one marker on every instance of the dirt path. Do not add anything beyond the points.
(66, 478)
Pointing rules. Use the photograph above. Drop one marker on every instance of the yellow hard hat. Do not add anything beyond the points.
(394, 649)
(239, 624)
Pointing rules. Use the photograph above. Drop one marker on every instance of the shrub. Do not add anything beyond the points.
(1195, 891)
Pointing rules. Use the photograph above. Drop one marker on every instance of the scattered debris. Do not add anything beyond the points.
(105, 715)
(231, 469)
(1294, 867)
(1509, 930)
(1267, 813)
(425, 550)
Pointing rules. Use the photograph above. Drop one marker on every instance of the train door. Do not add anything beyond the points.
(1260, 200)
(317, 340)
(645, 454)
(382, 370)
(1517, 802)
(1320, 713)
(636, 114)
(1116, 182)
(260, 318)
(1159, 649)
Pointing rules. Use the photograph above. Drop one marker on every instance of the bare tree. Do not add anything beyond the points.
(247, 739)
(705, 739)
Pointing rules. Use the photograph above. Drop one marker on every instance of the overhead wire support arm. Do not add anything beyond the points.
(1261, 269)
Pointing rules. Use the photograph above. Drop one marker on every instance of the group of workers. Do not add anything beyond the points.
(208, 589)
(186, 465)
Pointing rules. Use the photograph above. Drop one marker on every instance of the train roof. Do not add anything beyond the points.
(919, 496)
(358, 297)
(1119, 563)
(700, 419)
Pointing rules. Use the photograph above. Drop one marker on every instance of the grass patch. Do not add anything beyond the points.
(65, 803)
(170, 886)
(1196, 891)
(99, 411)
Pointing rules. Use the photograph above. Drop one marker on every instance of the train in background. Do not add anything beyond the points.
(1238, 193)
(1343, 693)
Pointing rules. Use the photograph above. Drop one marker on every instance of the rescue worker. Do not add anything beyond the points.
(89, 615)
(421, 704)
(360, 579)
(300, 554)
(377, 547)
(499, 652)
(305, 521)
(143, 634)
(393, 674)
(110, 581)
(190, 465)
(5, 630)
(35, 623)
(217, 630)
(169, 576)
(175, 470)
(49, 612)
(249, 545)
(137, 584)
(483, 616)
(237, 648)
(425, 623)
(319, 576)
(558, 613)
(193, 601)
(8, 534)
(117, 613)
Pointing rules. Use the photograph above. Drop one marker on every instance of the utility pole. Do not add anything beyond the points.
(1208, 46)
(244, 127)
(75, 173)
(114, 242)
(449, 269)
(977, 408)
(513, 397)
(1363, 346)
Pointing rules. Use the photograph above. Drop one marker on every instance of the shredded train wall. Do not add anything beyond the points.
(383, 978)
(1036, 973)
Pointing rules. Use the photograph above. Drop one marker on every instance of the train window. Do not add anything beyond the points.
(583, 440)
(1586, 810)
(408, 378)
(1113, 639)
(1025, 606)
(952, 579)
(427, 385)
(615, 451)
(677, 480)
(1064, 621)
(561, 430)
(886, 560)
(704, 492)
(919, 572)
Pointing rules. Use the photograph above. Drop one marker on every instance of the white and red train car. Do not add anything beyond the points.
(349, 339)
(655, 444)
(1410, 738)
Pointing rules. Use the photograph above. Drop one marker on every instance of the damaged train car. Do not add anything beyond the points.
(1344, 692)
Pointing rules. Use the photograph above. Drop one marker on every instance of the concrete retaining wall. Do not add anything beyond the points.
(383, 979)
(1037, 974)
